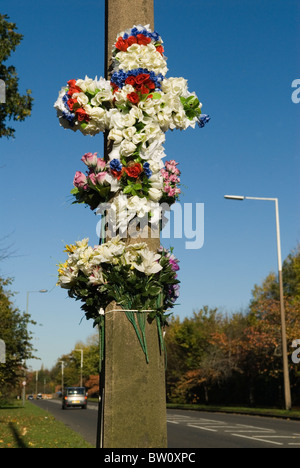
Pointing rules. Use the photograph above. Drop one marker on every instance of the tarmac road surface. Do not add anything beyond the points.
(195, 429)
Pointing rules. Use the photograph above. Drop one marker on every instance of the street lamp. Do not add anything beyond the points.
(27, 309)
(287, 387)
(81, 364)
(29, 292)
(62, 377)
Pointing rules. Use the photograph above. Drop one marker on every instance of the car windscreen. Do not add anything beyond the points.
(76, 391)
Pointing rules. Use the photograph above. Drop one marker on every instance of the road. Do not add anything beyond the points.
(196, 429)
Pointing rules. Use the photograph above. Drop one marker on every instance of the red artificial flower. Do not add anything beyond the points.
(142, 77)
(121, 44)
(117, 174)
(115, 87)
(130, 80)
(71, 103)
(82, 115)
(131, 40)
(72, 83)
(134, 170)
(142, 89)
(150, 85)
(73, 88)
(143, 40)
(160, 49)
(133, 98)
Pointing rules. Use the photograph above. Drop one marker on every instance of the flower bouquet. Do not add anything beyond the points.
(132, 275)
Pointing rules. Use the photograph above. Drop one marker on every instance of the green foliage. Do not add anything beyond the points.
(17, 107)
(14, 332)
(237, 359)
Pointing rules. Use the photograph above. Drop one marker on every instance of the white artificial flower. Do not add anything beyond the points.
(175, 86)
(129, 120)
(116, 119)
(82, 98)
(180, 120)
(59, 104)
(129, 132)
(116, 135)
(157, 181)
(97, 113)
(149, 262)
(109, 251)
(115, 152)
(83, 243)
(66, 278)
(156, 166)
(141, 56)
(154, 151)
(155, 194)
(102, 96)
(96, 277)
(127, 148)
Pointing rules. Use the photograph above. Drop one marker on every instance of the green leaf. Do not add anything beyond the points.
(128, 189)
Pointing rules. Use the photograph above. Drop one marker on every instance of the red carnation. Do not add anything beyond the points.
(121, 44)
(160, 49)
(131, 40)
(143, 40)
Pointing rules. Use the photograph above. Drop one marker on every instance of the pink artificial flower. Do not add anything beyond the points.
(90, 159)
(80, 180)
(92, 179)
(101, 177)
(173, 178)
(101, 164)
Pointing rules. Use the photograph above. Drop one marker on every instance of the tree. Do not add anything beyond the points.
(16, 107)
(14, 332)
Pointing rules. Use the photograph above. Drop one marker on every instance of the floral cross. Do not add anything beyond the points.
(135, 107)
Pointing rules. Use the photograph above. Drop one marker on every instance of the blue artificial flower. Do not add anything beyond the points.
(119, 77)
(115, 165)
(147, 169)
(69, 117)
(203, 119)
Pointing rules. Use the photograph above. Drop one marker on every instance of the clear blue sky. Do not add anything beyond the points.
(241, 58)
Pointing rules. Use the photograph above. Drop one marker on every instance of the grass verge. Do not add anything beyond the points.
(272, 412)
(32, 427)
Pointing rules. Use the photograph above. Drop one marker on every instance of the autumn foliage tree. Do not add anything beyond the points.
(213, 357)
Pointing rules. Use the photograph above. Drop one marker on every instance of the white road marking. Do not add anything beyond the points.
(204, 428)
(257, 438)
(257, 433)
